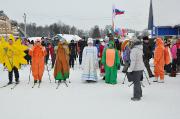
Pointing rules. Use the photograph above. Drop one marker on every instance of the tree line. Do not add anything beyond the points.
(51, 30)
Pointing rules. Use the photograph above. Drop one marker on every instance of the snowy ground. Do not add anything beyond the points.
(87, 101)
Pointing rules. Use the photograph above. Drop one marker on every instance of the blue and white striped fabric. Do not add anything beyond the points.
(90, 63)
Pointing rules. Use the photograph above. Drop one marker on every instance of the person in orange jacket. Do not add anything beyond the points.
(159, 60)
(38, 53)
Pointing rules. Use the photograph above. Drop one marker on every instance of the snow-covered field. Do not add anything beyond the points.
(87, 101)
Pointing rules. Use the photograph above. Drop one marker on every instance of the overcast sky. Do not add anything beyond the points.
(85, 14)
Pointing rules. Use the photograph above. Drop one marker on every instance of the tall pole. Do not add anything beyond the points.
(113, 17)
(25, 24)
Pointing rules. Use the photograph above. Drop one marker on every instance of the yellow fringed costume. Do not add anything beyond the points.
(12, 55)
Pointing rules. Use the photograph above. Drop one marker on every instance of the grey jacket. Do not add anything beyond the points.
(136, 58)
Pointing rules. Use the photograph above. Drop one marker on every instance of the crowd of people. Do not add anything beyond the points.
(108, 54)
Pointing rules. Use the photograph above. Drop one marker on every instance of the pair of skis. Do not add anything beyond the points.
(59, 82)
(39, 84)
(14, 86)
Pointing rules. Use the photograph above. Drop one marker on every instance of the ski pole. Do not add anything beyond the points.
(147, 78)
(124, 78)
(142, 85)
(48, 73)
(140, 82)
(131, 84)
(29, 75)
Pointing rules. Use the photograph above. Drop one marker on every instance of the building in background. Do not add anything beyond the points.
(7, 26)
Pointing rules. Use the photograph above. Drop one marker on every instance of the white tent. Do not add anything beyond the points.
(69, 37)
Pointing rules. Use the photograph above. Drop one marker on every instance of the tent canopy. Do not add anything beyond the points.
(68, 37)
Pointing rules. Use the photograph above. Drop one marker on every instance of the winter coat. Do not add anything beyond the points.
(37, 54)
(126, 55)
(178, 52)
(147, 51)
(167, 55)
(51, 50)
(101, 48)
(81, 45)
(73, 50)
(136, 58)
(174, 51)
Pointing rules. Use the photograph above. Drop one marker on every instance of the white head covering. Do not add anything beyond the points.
(90, 40)
(62, 40)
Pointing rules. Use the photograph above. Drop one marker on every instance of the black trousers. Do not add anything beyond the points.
(137, 83)
(71, 61)
(16, 73)
(80, 58)
(47, 58)
(53, 60)
(174, 63)
(168, 68)
(146, 63)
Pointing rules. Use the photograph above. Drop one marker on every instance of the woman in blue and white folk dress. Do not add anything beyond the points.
(90, 62)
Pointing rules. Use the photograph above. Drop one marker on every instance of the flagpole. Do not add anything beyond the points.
(113, 24)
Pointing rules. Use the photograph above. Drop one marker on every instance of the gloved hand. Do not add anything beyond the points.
(129, 70)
